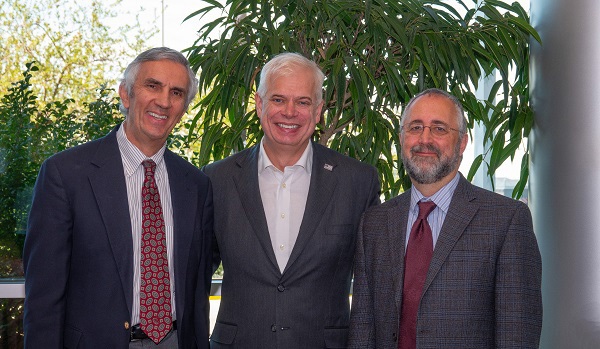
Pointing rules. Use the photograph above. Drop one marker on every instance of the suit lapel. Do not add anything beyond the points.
(184, 202)
(110, 191)
(460, 213)
(251, 200)
(397, 221)
(323, 181)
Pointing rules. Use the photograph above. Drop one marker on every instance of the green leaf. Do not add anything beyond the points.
(474, 167)
(523, 178)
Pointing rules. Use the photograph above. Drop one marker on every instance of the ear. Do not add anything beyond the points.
(124, 95)
(258, 105)
(463, 143)
(318, 112)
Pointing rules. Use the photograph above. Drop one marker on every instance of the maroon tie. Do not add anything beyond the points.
(155, 289)
(416, 264)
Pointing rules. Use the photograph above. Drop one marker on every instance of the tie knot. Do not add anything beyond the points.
(425, 208)
(149, 167)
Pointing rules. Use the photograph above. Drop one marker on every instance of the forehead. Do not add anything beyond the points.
(431, 109)
(164, 71)
(297, 82)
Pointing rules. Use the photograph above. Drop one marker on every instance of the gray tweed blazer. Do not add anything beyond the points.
(483, 285)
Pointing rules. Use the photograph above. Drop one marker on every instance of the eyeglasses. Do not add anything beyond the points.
(417, 128)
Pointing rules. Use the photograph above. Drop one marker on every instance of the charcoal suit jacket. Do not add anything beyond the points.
(306, 305)
(78, 253)
(482, 289)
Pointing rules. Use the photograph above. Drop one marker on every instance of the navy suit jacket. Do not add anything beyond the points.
(482, 289)
(78, 253)
(306, 305)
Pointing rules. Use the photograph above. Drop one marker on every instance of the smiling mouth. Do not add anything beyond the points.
(289, 127)
(157, 116)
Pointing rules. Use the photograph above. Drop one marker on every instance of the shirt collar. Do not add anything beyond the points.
(441, 198)
(305, 160)
(132, 156)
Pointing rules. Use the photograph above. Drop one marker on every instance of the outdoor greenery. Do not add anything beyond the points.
(73, 43)
(28, 135)
(376, 56)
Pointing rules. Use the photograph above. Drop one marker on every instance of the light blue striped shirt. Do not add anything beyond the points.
(132, 159)
(436, 218)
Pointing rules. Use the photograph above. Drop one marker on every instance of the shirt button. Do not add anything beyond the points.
(282, 247)
(283, 186)
(283, 215)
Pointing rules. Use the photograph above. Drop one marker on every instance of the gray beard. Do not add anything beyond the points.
(436, 170)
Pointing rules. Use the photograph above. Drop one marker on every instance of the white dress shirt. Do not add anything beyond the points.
(284, 196)
(132, 159)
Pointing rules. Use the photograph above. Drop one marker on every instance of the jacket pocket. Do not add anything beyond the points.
(224, 333)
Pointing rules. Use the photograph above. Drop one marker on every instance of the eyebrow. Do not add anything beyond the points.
(286, 97)
(157, 82)
(434, 122)
(153, 81)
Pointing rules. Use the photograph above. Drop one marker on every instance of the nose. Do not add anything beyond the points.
(163, 100)
(289, 109)
(426, 135)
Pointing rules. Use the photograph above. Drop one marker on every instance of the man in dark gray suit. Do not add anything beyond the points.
(84, 253)
(481, 286)
(286, 216)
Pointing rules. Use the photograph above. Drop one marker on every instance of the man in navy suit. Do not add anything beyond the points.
(480, 286)
(286, 215)
(82, 251)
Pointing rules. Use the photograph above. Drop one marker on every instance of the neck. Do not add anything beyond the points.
(281, 158)
(147, 149)
(432, 188)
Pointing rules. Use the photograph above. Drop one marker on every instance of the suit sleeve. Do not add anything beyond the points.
(202, 311)
(216, 255)
(46, 258)
(362, 324)
(361, 333)
(374, 189)
(518, 286)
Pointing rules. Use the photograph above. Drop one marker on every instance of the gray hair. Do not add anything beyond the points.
(158, 54)
(460, 112)
(283, 64)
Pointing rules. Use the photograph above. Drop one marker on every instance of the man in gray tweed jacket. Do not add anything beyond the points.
(481, 288)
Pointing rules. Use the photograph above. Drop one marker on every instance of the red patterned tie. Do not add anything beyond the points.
(155, 289)
(416, 265)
